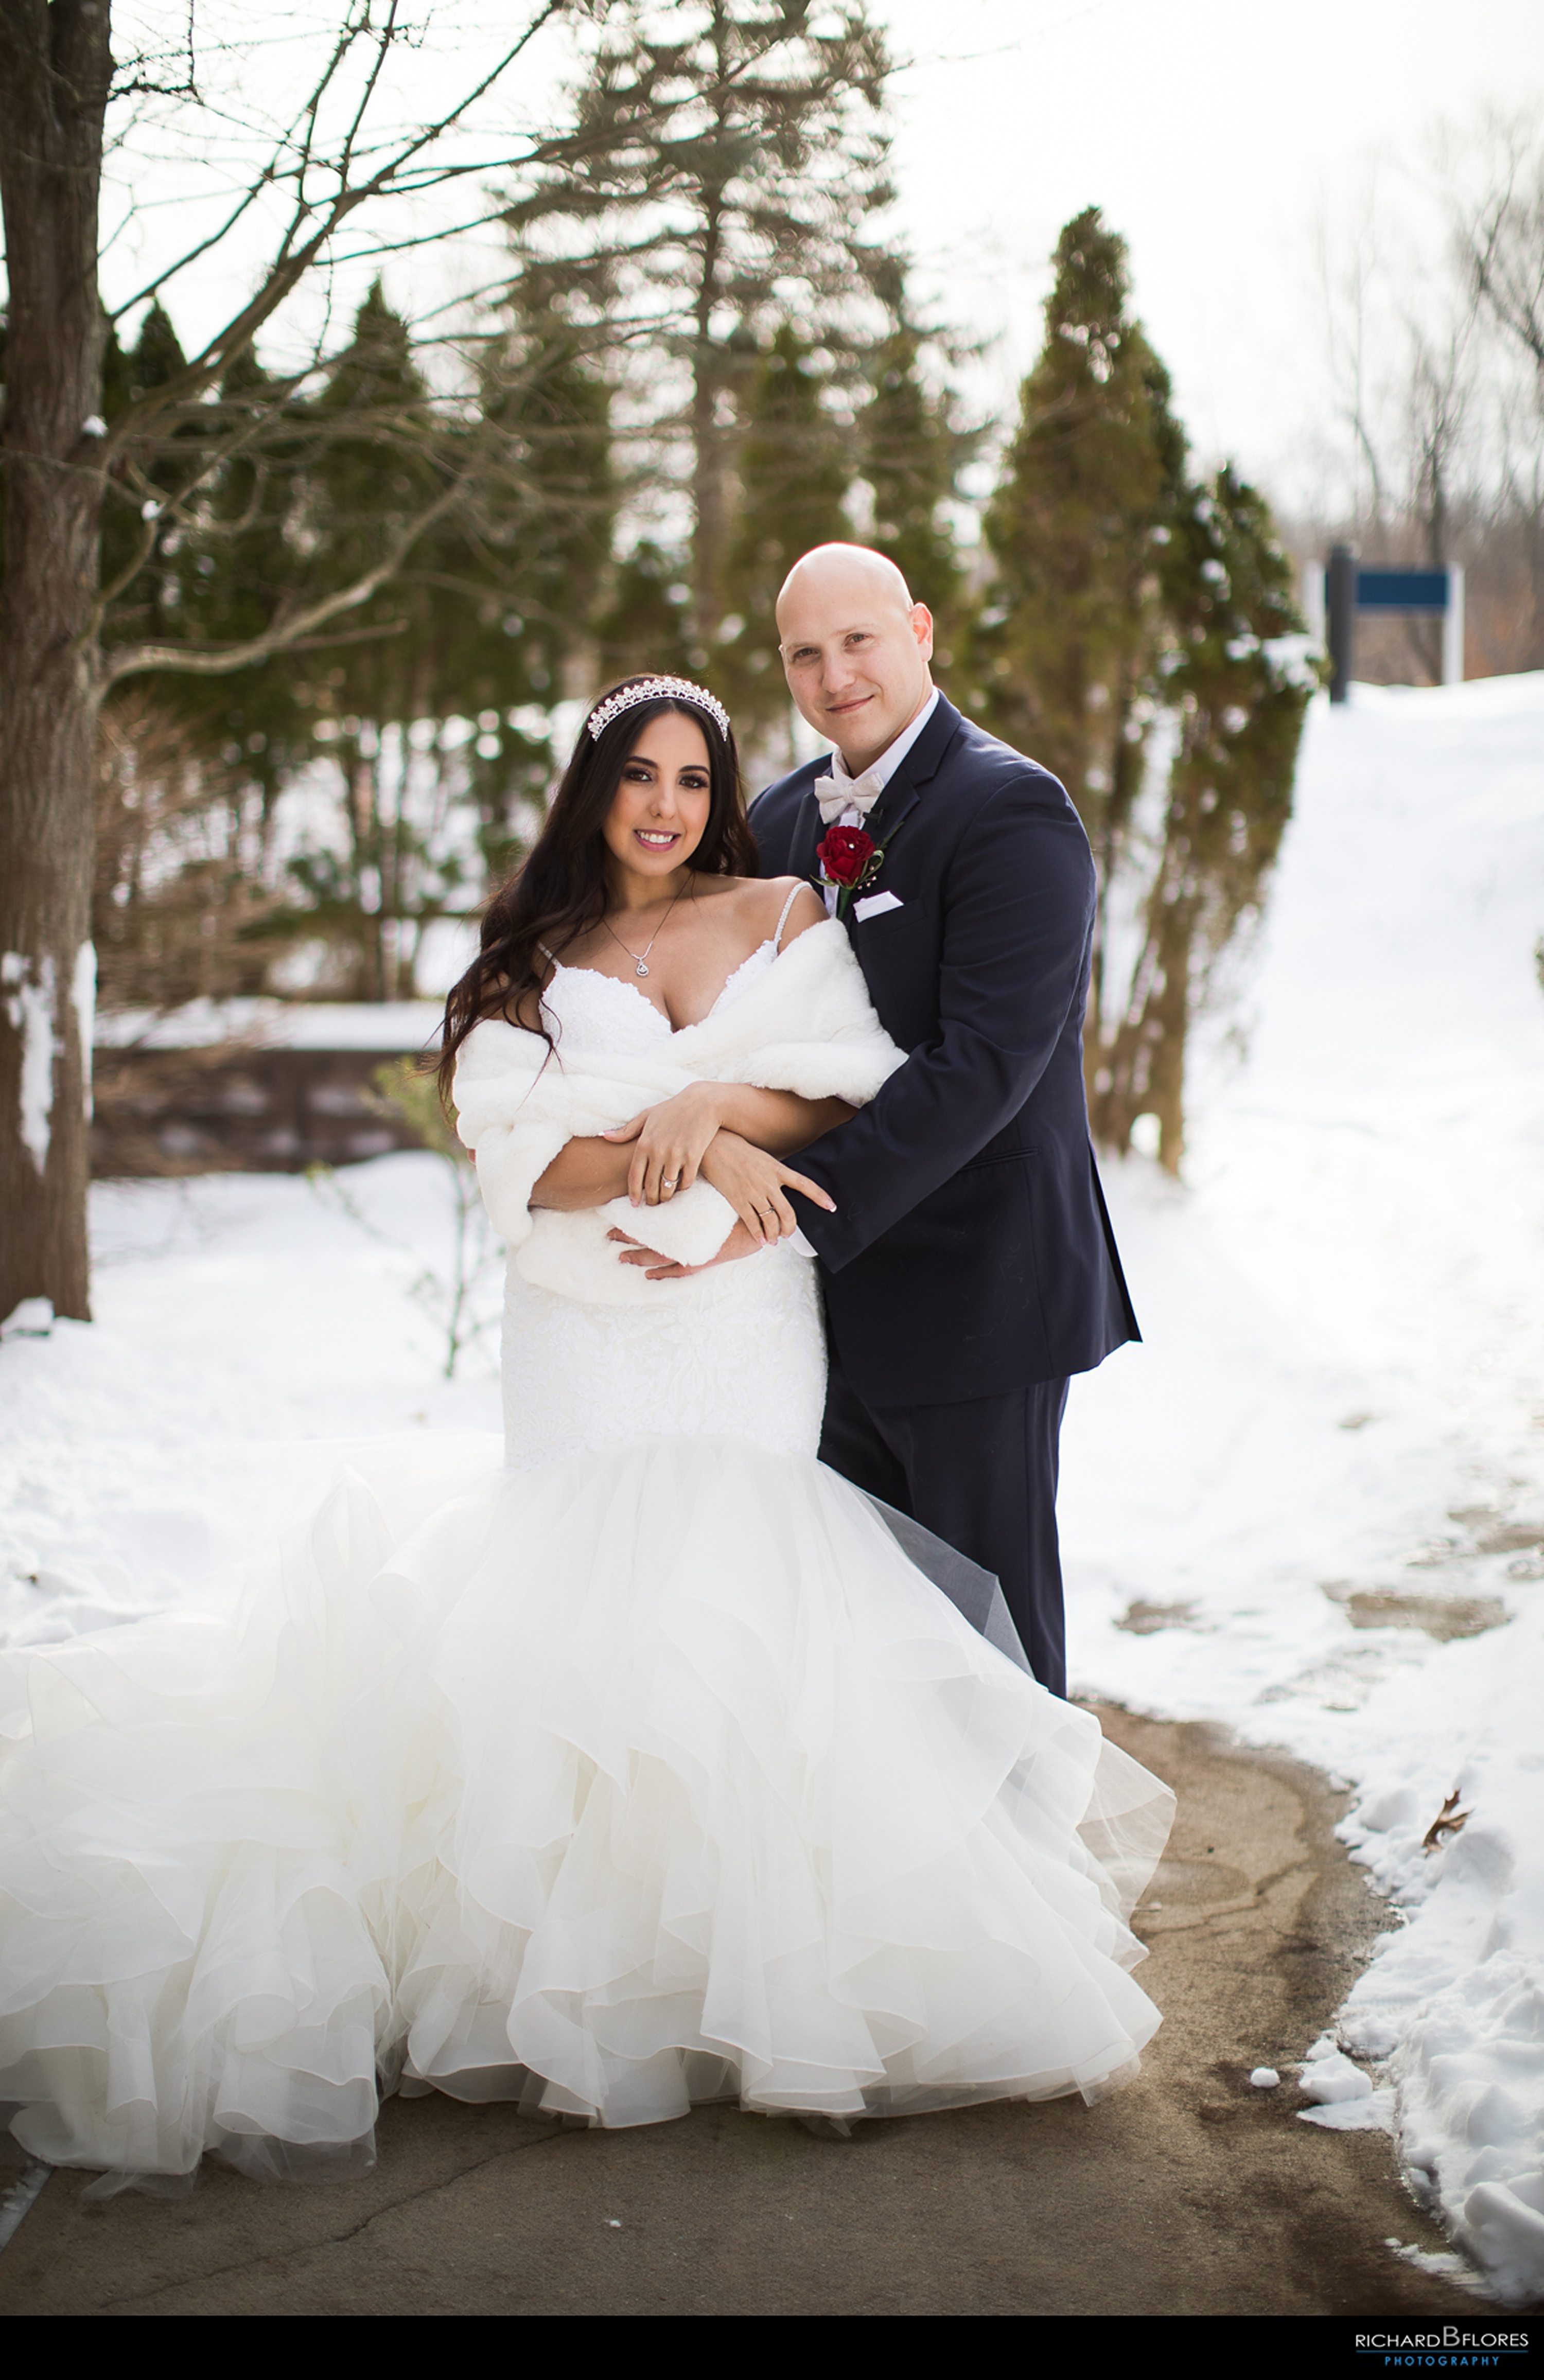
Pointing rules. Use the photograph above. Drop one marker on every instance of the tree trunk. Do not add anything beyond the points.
(55, 67)
(708, 478)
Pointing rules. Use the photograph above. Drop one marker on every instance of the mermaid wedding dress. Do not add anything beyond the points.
(630, 1765)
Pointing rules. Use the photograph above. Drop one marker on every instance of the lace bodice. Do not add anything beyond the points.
(600, 1021)
(596, 1012)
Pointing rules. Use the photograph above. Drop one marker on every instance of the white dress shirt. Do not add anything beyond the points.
(884, 768)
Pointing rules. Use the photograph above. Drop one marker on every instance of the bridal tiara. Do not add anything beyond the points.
(651, 690)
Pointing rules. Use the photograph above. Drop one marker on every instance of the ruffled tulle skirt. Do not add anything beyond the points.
(633, 1780)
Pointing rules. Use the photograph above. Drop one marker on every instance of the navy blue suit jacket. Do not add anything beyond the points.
(971, 1252)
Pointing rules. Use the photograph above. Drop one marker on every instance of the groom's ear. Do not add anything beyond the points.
(922, 629)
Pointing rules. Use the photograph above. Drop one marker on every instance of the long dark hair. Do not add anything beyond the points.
(560, 891)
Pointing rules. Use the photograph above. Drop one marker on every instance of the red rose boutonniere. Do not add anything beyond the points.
(847, 856)
(850, 859)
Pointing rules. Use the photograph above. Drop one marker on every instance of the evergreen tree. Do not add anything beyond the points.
(794, 468)
(644, 626)
(369, 462)
(520, 585)
(1123, 595)
(1065, 647)
(734, 157)
(184, 903)
(139, 553)
(479, 627)
(1238, 691)
(240, 562)
(437, 692)
(912, 453)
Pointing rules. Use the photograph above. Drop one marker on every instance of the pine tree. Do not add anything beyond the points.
(644, 624)
(1065, 646)
(370, 464)
(736, 160)
(794, 470)
(1238, 690)
(479, 627)
(139, 554)
(1123, 597)
(518, 603)
(913, 450)
(191, 768)
(476, 633)
(240, 562)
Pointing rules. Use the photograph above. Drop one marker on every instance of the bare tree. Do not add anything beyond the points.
(1500, 248)
(323, 182)
(1350, 273)
(1434, 318)
(1504, 245)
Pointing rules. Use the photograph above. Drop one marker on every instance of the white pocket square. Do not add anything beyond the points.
(875, 905)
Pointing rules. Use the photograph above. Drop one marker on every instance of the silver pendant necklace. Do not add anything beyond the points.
(639, 968)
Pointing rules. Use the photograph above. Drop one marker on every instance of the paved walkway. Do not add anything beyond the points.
(1187, 2193)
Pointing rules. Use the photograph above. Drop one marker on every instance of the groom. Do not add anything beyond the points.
(969, 1268)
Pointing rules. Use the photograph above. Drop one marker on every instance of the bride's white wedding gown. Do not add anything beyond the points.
(639, 1767)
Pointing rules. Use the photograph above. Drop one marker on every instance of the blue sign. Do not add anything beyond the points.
(1402, 590)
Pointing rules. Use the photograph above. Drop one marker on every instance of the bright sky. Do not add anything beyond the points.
(1215, 134)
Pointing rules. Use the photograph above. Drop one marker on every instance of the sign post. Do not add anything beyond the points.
(1452, 629)
(1349, 589)
(1340, 600)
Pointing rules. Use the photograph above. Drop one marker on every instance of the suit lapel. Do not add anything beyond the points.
(921, 763)
(806, 835)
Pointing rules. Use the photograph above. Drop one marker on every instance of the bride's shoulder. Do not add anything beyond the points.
(499, 1039)
(781, 905)
(800, 906)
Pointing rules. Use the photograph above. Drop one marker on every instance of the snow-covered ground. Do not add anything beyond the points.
(246, 1324)
(1311, 1507)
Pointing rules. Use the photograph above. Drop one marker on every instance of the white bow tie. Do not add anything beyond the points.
(836, 795)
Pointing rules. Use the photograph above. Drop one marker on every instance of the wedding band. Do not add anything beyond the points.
(672, 1183)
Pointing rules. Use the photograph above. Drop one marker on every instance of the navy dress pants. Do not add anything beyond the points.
(982, 1476)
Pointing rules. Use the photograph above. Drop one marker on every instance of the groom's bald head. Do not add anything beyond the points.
(855, 647)
(856, 569)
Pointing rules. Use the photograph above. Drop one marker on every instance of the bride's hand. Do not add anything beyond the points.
(654, 1266)
(754, 1184)
(671, 1141)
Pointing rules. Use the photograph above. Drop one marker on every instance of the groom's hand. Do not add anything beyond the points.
(740, 1243)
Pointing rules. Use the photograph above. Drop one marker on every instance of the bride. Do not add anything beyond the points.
(641, 1761)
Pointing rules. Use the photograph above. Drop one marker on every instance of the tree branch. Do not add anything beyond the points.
(284, 630)
(249, 198)
(292, 261)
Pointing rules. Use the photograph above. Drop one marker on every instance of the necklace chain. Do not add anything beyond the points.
(638, 957)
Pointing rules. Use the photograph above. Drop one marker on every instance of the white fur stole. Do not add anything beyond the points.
(803, 1023)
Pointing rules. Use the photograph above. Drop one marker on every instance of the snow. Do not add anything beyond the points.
(1343, 2096)
(247, 1327)
(33, 1319)
(82, 991)
(1310, 1507)
(394, 1025)
(28, 994)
